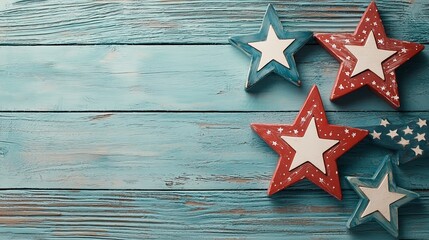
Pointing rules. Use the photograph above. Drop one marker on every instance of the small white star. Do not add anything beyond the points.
(326, 40)
(393, 133)
(384, 122)
(395, 97)
(348, 58)
(268, 132)
(421, 123)
(420, 137)
(332, 37)
(353, 135)
(408, 130)
(381, 41)
(347, 40)
(375, 135)
(388, 93)
(346, 130)
(321, 180)
(295, 131)
(374, 83)
(404, 142)
(404, 50)
(341, 87)
(334, 45)
(274, 143)
(383, 88)
(303, 119)
(417, 150)
(367, 19)
(348, 73)
(375, 23)
(280, 130)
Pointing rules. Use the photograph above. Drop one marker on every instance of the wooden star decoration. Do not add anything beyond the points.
(380, 198)
(309, 148)
(272, 49)
(368, 57)
(408, 140)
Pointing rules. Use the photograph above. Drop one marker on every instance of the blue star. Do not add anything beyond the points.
(272, 49)
(409, 140)
(380, 198)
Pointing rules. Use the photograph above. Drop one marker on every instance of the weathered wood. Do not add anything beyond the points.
(178, 78)
(167, 150)
(202, 21)
(41, 214)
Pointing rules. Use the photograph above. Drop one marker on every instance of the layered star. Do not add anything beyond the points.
(272, 50)
(368, 57)
(409, 140)
(380, 199)
(309, 148)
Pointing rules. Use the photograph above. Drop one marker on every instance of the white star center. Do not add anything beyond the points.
(272, 49)
(369, 57)
(309, 148)
(380, 199)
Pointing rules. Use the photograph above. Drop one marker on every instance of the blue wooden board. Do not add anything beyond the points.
(129, 120)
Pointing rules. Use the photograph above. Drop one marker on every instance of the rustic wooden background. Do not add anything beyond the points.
(126, 119)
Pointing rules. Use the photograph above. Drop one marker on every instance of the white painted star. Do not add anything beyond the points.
(375, 135)
(421, 123)
(280, 130)
(404, 142)
(408, 130)
(393, 133)
(272, 49)
(369, 57)
(384, 122)
(346, 130)
(268, 132)
(417, 150)
(380, 199)
(420, 137)
(274, 143)
(309, 148)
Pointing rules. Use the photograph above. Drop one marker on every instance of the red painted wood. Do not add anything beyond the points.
(284, 175)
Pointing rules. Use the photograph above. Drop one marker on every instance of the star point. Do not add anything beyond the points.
(310, 148)
(272, 49)
(380, 198)
(375, 57)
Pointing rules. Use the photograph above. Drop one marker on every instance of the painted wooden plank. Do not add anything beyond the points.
(178, 78)
(167, 150)
(52, 214)
(188, 21)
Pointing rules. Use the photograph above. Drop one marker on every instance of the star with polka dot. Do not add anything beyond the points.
(368, 57)
(272, 50)
(309, 148)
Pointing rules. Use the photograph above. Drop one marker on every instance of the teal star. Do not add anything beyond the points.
(272, 49)
(380, 198)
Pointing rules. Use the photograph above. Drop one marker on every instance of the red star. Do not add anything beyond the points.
(317, 162)
(354, 75)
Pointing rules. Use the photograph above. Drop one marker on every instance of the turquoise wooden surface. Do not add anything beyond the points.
(152, 139)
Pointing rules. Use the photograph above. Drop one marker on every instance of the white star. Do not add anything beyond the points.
(346, 130)
(347, 41)
(384, 122)
(274, 143)
(408, 130)
(417, 150)
(375, 135)
(393, 133)
(341, 87)
(272, 49)
(420, 137)
(268, 132)
(404, 50)
(369, 57)
(380, 199)
(404, 142)
(421, 123)
(367, 19)
(309, 148)
(280, 129)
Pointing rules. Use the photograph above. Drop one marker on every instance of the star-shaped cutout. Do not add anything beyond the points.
(409, 140)
(370, 56)
(272, 50)
(380, 198)
(309, 148)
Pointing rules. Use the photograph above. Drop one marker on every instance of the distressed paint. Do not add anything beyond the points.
(178, 78)
(189, 21)
(166, 150)
(100, 214)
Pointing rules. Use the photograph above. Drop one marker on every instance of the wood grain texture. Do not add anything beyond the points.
(202, 21)
(167, 151)
(179, 78)
(40, 214)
